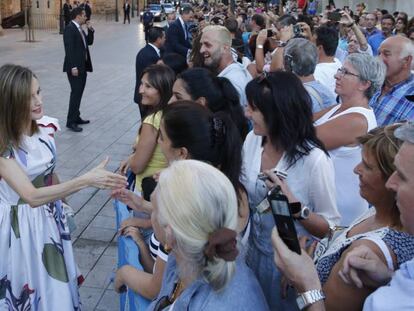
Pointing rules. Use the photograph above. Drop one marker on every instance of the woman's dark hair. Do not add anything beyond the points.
(405, 22)
(287, 111)
(219, 93)
(328, 38)
(210, 137)
(195, 56)
(175, 61)
(162, 78)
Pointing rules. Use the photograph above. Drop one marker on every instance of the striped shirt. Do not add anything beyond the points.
(393, 106)
(156, 249)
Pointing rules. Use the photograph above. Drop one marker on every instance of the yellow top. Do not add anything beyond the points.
(158, 160)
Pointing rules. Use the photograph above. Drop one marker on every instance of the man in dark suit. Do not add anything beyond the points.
(148, 55)
(148, 21)
(77, 63)
(127, 9)
(88, 10)
(67, 8)
(178, 37)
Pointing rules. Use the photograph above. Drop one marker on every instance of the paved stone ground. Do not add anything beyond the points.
(107, 102)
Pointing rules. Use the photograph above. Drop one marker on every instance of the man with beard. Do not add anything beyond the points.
(216, 50)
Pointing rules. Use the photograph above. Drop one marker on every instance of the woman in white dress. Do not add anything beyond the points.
(37, 266)
(338, 127)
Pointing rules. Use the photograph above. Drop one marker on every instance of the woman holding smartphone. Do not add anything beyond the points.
(284, 139)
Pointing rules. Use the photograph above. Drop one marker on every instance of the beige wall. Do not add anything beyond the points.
(9, 7)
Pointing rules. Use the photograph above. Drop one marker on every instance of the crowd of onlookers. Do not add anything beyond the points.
(321, 107)
(235, 105)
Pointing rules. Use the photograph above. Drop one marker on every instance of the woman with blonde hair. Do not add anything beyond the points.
(37, 266)
(197, 207)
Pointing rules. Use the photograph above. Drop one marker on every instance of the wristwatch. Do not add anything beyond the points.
(308, 298)
(297, 207)
(259, 46)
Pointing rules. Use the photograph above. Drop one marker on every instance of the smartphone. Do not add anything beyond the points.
(334, 16)
(284, 221)
(297, 30)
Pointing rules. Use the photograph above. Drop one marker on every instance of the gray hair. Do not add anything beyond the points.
(195, 199)
(301, 56)
(369, 69)
(405, 132)
(407, 49)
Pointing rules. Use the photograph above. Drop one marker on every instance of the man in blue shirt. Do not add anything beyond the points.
(371, 23)
(387, 25)
(390, 103)
(361, 266)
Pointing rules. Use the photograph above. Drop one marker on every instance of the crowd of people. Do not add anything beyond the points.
(234, 103)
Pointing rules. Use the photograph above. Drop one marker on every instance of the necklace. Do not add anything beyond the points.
(177, 291)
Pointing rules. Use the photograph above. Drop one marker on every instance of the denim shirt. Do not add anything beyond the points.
(242, 293)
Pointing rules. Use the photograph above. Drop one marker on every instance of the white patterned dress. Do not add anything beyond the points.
(37, 265)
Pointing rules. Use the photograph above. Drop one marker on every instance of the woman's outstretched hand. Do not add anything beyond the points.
(101, 178)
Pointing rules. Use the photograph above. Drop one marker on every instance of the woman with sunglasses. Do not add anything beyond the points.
(284, 139)
(338, 127)
(196, 206)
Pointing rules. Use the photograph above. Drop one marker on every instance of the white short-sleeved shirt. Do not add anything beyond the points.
(350, 204)
(325, 72)
(239, 77)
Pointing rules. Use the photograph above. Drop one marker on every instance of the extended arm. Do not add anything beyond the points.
(143, 283)
(19, 182)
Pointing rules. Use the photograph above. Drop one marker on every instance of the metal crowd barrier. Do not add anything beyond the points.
(128, 254)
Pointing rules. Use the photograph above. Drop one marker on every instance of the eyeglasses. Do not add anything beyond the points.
(166, 301)
(343, 71)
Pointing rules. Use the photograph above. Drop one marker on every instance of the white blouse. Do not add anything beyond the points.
(311, 179)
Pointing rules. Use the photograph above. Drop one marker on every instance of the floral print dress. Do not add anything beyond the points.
(37, 265)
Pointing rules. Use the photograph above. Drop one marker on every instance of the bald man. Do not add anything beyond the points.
(216, 50)
(389, 103)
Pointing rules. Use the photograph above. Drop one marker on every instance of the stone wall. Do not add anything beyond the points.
(9, 7)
